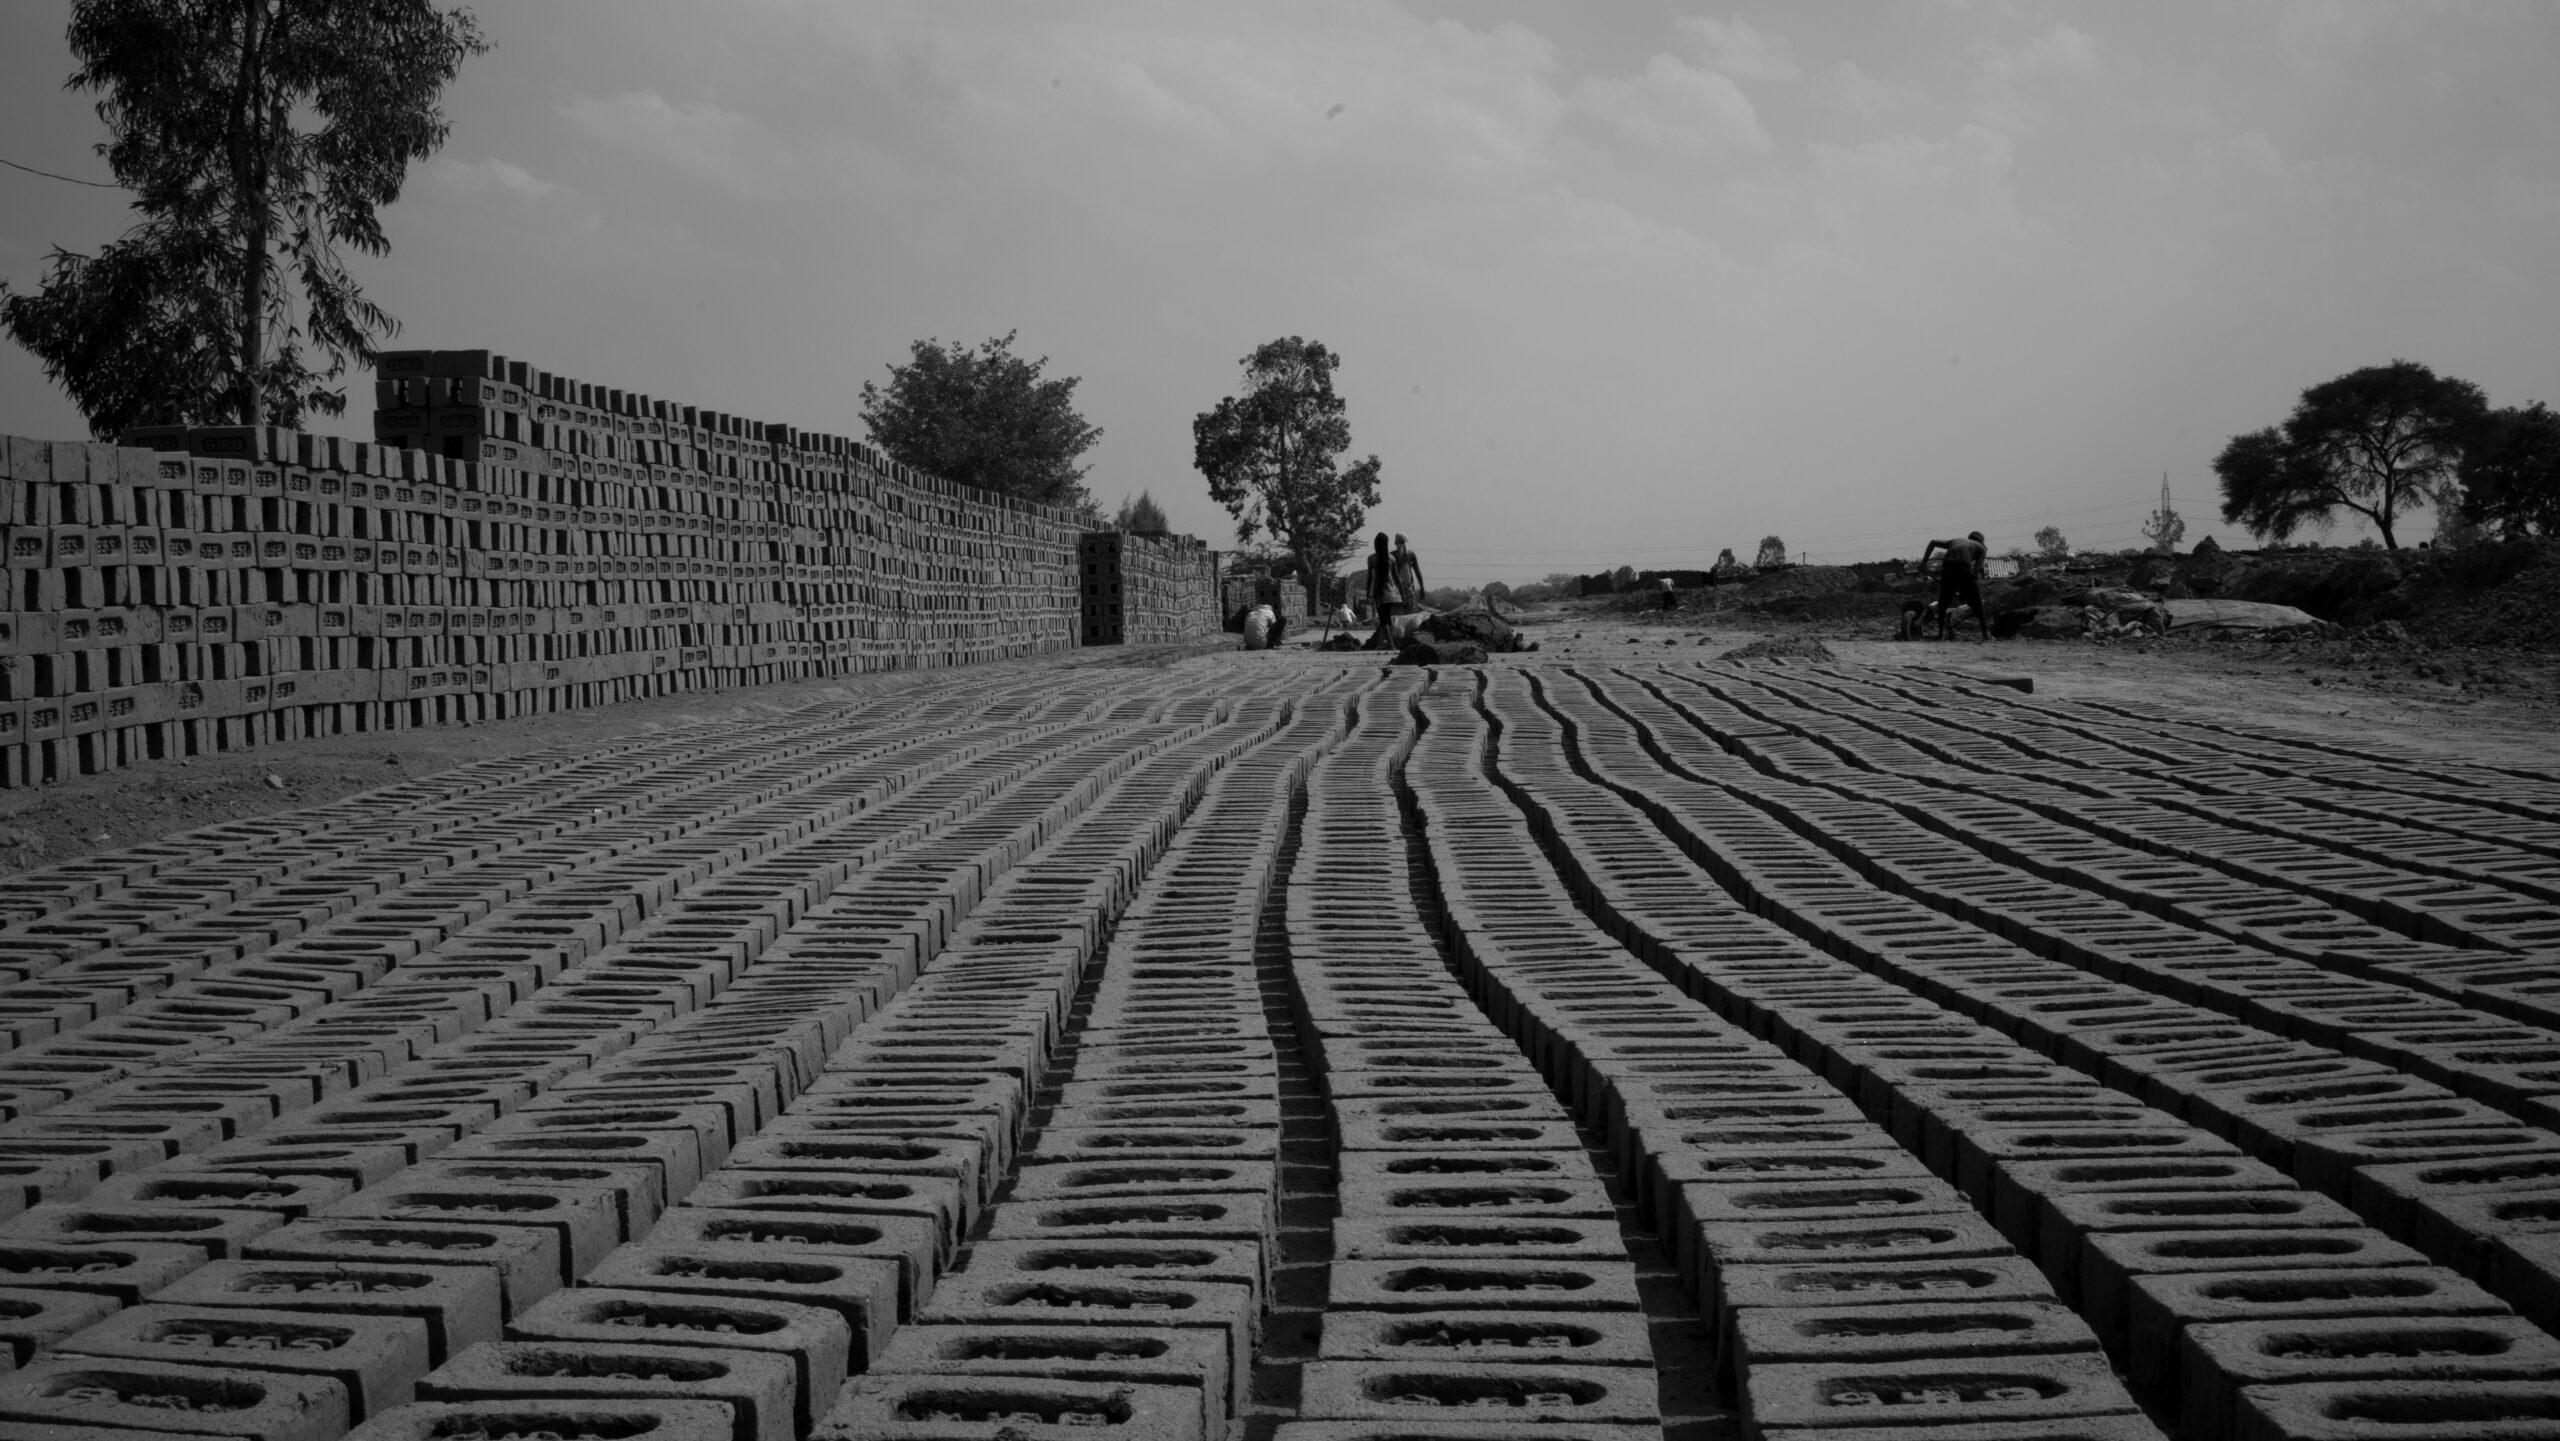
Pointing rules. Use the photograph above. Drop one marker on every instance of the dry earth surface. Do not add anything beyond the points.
(1605, 1042)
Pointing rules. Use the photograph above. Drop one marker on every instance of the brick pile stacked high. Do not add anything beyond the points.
(1147, 589)
(511, 542)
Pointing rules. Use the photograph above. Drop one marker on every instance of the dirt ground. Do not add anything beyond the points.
(2494, 706)
(2497, 706)
(87, 814)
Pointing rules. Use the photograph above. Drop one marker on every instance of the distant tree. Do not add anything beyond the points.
(2511, 472)
(1270, 455)
(1724, 559)
(1563, 582)
(2381, 441)
(2052, 544)
(1141, 516)
(983, 417)
(2166, 527)
(258, 137)
(1623, 577)
(1773, 551)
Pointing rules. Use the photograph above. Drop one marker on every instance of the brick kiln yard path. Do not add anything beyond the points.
(1573, 1049)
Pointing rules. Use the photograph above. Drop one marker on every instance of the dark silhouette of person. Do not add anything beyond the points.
(1959, 579)
(1382, 583)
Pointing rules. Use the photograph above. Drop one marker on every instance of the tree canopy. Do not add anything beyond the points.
(2380, 442)
(258, 137)
(2052, 544)
(1270, 455)
(1141, 516)
(984, 417)
(2511, 472)
(1773, 551)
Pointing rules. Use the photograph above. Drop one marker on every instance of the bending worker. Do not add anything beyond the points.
(1959, 579)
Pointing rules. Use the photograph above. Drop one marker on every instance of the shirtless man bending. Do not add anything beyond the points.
(1959, 579)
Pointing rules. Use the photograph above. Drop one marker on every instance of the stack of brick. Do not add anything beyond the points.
(1147, 589)
(512, 542)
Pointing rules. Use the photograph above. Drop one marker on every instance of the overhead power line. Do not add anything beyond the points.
(49, 175)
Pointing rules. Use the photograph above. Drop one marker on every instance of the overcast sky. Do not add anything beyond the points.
(1612, 280)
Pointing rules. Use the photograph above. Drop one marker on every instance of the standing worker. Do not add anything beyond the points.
(1382, 568)
(1959, 579)
(1408, 570)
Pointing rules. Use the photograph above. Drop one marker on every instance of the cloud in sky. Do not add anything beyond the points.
(1610, 284)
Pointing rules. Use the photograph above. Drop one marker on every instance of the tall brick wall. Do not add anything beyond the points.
(513, 542)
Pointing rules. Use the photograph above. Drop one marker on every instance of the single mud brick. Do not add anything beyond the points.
(1366, 1168)
(1943, 1392)
(676, 1154)
(933, 1198)
(2330, 1162)
(218, 1233)
(1986, 1280)
(1095, 1093)
(359, 1166)
(813, 1339)
(157, 1396)
(291, 1197)
(1470, 1138)
(894, 1155)
(950, 1408)
(1703, 1204)
(2217, 1360)
(637, 1191)
(1081, 1180)
(1574, 1198)
(912, 1241)
(1237, 1261)
(759, 1389)
(1473, 1284)
(1868, 1334)
(32, 1320)
(2070, 1220)
(1951, 1236)
(2020, 1203)
(525, 1418)
(1985, 1158)
(2109, 1260)
(863, 1290)
(1559, 1338)
(459, 1306)
(1460, 1108)
(1224, 1310)
(526, 1259)
(1142, 1355)
(377, 1358)
(1458, 1235)
(751, 1100)
(1354, 1084)
(1509, 1389)
(126, 1272)
(706, 1122)
(1670, 1172)
(2417, 1410)
(585, 1222)
(1206, 1216)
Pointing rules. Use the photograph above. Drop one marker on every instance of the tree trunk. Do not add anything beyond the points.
(248, 193)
